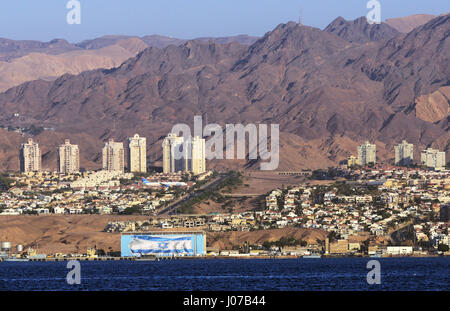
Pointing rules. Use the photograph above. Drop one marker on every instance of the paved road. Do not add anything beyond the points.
(171, 208)
(241, 195)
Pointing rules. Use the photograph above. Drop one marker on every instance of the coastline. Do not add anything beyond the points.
(210, 258)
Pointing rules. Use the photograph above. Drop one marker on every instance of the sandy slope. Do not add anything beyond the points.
(408, 23)
(227, 239)
(35, 66)
(65, 234)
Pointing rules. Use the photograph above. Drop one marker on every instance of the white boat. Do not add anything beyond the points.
(312, 256)
(15, 259)
(145, 258)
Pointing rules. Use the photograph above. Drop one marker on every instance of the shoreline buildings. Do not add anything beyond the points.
(433, 158)
(113, 156)
(367, 154)
(137, 154)
(68, 158)
(404, 153)
(30, 157)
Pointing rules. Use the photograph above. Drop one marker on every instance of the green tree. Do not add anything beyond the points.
(5, 183)
(132, 210)
(443, 247)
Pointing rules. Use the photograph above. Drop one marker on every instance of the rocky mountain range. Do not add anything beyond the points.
(329, 90)
(360, 31)
(27, 60)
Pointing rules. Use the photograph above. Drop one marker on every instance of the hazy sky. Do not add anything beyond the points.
(46, 19)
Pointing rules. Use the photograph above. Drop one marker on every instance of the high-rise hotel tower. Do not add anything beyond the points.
(68, 158)
(174, 156)
(113, 156)
(433, 158)
(404, 153)
(30, 157)
(197, 161)
(367, 153)
(180, 155)
(137, 154)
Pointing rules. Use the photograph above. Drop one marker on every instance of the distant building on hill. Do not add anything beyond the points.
(174, 155)
(367, 154)
(68, 158)
(30, 157)
(197, 160)
(180, 155)
(137, 154)
(352, 161)
(433, 158)
(113, 156)
(404, 153)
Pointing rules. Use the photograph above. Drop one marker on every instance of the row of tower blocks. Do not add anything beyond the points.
(192, 156)
(404, 155)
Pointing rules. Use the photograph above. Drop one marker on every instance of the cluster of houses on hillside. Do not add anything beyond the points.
(88, 193)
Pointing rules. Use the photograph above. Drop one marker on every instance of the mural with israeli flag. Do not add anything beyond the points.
(162, 245)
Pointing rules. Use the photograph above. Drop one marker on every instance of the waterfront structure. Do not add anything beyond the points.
(137, 154)
(404, 153)
(367, 154)
(30, 157)
(68, 158)
(164, 244)
(327, 245)
(399, 250)
(197, 161)
(174, 154)
(433, 158)
(339, 247)
(113, 156)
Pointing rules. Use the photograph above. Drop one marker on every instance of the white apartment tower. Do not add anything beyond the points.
(179, 155)
(68, 158)
(197, 160)
(137, 154)
(113, 156)
(174, 157)
(404, 153)
(367, 153)
(433, 158)
(30, 157)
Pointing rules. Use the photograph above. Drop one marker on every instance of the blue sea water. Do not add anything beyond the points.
(235, 275)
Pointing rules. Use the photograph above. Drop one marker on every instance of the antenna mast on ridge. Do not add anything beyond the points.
(300, 19)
